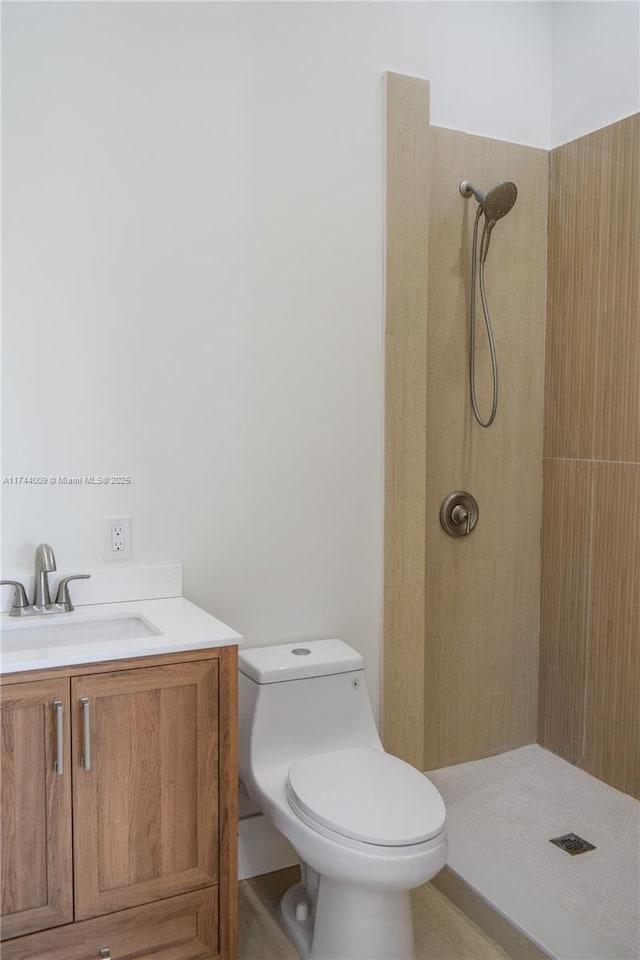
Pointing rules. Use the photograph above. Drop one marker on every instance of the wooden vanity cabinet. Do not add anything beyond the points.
(131, 850)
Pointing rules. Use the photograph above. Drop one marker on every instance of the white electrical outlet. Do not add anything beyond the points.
(117, 538)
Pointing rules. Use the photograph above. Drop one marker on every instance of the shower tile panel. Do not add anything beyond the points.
(612, 733)
(404, 666)
(576, 250)
(593, 335)
(406, 288)
(482, 601)
(405, 416)
(404, 610)
(481, 658)
(566, 537)
(407, 204)
(615, 286)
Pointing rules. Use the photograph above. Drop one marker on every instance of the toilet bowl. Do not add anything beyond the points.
(366, 826)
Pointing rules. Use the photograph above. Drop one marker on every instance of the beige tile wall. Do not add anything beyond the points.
(482, 594)
(461, 616)
(590, 603)
(406, 281)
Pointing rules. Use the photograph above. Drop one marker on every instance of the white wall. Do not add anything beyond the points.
(596, 66)
(193, 283)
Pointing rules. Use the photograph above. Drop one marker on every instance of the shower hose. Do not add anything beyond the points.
(487, 321)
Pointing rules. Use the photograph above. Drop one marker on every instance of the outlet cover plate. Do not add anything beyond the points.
(117, 538)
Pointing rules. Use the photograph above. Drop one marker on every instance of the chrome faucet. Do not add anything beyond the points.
(45, 564)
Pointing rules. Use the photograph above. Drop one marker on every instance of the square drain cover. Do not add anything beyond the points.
(573, 844)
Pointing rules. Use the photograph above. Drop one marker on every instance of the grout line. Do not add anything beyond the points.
(587, 625)
(631, 463)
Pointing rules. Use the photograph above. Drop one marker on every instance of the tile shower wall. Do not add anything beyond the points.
(590, 598)
(461, 615)
(482, 591)
(406, 299)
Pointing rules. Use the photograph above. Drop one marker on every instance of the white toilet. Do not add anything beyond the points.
(367, 827)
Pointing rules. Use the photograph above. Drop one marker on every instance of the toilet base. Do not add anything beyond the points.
(299, 932)
(349, 923)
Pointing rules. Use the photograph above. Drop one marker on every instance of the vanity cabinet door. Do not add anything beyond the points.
(145, 785)
(35, 807)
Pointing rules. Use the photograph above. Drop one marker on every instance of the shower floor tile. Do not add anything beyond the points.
(503, 811)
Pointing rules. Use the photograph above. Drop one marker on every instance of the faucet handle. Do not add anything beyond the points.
(63, 599)
(20, 603)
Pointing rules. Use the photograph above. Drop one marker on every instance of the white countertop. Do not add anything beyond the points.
(178, 625)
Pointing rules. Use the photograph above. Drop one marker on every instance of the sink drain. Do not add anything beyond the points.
(572, 844)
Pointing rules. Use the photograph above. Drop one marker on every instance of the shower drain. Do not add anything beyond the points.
(572, 844)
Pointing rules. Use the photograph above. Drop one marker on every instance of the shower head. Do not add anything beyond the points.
(497, 202)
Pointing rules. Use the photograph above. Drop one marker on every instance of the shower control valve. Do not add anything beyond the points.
(459, 513)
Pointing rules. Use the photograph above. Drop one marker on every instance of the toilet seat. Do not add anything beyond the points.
(365, 795)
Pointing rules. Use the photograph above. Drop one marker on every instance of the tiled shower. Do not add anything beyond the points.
(527, 629)
(590, 604)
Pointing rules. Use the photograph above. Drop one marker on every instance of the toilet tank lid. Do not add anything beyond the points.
(296, 661)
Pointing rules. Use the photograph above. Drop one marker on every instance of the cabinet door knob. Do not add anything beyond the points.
(105, 953)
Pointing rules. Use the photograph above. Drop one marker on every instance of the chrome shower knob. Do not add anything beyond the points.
(458, 513)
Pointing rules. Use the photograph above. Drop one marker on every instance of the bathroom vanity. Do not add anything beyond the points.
(119, 787)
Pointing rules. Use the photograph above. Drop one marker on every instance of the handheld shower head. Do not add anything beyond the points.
(499, 201)
(495, 204)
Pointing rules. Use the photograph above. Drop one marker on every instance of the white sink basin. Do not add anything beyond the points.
(102, 632)
(30, 634)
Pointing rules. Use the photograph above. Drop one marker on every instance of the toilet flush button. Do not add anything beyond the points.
(300, 651)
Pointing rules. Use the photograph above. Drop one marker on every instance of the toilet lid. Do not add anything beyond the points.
(367, 795)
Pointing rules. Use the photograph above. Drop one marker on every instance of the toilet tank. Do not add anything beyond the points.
(297, 699)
